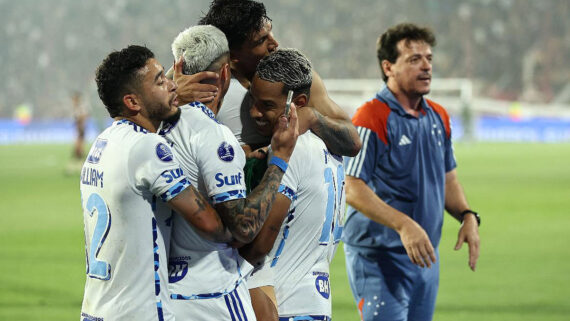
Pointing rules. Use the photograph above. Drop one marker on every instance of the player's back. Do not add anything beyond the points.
(126, 255)
(311, 231)
(212, 159)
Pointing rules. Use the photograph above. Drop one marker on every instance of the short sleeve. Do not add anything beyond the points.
(221, 161)
(153, 167)
(362, 165)
(450, 162)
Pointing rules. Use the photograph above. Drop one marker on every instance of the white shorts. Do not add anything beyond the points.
(235, 305)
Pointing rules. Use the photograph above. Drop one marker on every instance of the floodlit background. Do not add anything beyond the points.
(501, 67)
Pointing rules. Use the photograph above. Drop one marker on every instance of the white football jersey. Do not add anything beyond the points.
(128, 176)
(300, 258)
(213, 161)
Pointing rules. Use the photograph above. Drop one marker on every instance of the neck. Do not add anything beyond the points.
(410, 102)
(214, 106)
(243, 79)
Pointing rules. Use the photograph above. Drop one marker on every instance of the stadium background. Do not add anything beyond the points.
(500, 66)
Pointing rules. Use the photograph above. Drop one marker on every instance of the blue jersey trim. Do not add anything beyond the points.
(288, 192)
(306, 318)
(205, 296)
(204, 109)
(175, 190)
(228, 196)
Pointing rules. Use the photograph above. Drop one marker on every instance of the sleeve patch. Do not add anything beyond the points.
(226, 152)
(164, 153)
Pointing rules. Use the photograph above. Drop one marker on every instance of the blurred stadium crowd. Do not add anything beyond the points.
(512, 50)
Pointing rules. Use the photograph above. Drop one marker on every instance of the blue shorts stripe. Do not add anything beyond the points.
(235, 306)
(229, 308)
(240, 305)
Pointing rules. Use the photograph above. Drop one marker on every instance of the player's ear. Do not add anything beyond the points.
(387, 67)
(301, 100)
(132, 103)
(225, 73)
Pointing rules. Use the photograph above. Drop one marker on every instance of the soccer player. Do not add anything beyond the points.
(399, 184)
(207, 278)
(250, 38)
(128, 178)
(305, 223)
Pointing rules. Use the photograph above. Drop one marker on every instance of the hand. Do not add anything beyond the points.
(417, 244)
(260, 153)
(285, 137)
(189, 87)
(469, 232)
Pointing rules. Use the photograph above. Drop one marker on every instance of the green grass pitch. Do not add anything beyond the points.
(522, 192)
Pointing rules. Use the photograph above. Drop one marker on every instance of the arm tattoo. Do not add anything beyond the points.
(340, 136)
(221, 235)
(245, 217)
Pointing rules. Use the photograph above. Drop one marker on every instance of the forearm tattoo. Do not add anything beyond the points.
(340, 136)
(245, 217)
(220, 235)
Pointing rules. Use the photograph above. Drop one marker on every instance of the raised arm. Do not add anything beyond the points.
(196, 210)
(414, 238)
(245, 218)
(328, 121)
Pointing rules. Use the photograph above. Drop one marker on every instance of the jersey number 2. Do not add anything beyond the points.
(95, 268)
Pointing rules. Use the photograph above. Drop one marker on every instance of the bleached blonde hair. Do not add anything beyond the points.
(202, 47)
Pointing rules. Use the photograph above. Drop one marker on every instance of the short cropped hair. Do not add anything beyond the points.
(237, 19)
(202, 47)
(119, 74)
(386, 46)
(287, 66)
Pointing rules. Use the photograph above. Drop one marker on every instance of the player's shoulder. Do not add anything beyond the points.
(369, 111)
(308, 149)
(197, 112)
(373, 115)
(442, 112)
(437, 108)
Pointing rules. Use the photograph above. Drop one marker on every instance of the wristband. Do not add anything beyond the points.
(279, 163)
(477, 217)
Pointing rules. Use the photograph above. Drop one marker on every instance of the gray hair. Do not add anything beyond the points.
(201, 46)
(288, 66)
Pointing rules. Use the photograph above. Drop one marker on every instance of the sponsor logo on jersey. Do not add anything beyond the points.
(163, 152)
(404, 140)
(172, 174)
(323, 286)
(226, 152)
(96, 151)
(177, 270)
(228, 180)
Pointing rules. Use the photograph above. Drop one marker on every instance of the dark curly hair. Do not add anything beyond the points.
(287, 66)
(386, 46)
(238, 19)
(118, 75)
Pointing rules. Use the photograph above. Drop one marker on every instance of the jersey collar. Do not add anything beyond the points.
(387, 97)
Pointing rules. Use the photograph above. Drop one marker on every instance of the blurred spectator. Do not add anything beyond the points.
(513, 49)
